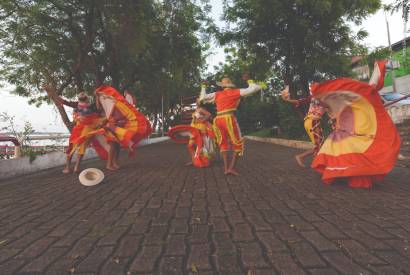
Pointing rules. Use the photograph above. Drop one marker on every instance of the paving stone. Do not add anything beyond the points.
(94, 260)
(198, 258)
(318, 241)
(156, 216)
(358, 252)
(271, 242)
(39, 264)
(242, 232)
(343, 264)
(306, 255)
(176, 245)
(285, 264)
(171, 266)
(128, 246)
(251, 256)
(145, 260)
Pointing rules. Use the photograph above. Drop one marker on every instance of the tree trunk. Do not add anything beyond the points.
(67, 122)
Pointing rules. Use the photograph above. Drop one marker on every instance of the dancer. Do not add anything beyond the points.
(200, 121)
(312, 123)
(365, 143)
(199, 136)
(227, 132)
(125, 127)
(87, 120)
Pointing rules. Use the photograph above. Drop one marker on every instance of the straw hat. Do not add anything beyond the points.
(226, 82)
(91, 177)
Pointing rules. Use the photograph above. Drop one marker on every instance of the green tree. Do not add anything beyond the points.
(304, 40)
(156, 47)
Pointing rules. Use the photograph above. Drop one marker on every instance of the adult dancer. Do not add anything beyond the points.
(365, 143)
(87, 120)
(125, 127)
(227, 132)
(312, 123)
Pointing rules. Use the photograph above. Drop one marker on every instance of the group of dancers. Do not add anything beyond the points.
(362, 148)
(110, 122)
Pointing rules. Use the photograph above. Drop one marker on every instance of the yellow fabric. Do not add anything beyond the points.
(365, 127)
(308, 127)
(130, 127)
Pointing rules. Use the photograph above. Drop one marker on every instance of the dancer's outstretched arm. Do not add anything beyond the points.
(204, 97)
(253, 88)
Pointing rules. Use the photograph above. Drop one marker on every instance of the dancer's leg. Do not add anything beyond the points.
(232, 169)
(117, 149)
(67, 168)
(301, 157)
(225, 159)
(111, 156)
(77, 163)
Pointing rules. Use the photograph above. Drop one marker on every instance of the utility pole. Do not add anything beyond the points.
(393, 78)
(162, 114)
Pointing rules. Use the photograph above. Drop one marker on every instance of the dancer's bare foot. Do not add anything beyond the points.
(299, 160)
(111, 168)
(66, 170)
(116, 166)
(76, 170)
(226, 171)
(189, 163)
(233, 172)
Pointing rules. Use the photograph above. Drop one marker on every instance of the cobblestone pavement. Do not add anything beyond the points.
(156, 216)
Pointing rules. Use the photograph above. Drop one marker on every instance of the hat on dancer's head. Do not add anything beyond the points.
(226, 82)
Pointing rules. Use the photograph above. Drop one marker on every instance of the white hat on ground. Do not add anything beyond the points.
(91, 177)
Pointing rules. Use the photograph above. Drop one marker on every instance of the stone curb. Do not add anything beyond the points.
(283, 142)
(22, 166)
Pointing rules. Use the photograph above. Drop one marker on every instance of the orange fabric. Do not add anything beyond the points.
(84, 133)
(370, 149)
(194, 138)
(227, 100)
(228, 134)
(126, 125)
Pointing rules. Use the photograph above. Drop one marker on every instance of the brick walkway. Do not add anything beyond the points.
(156, 216)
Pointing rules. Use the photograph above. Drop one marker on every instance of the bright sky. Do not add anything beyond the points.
(45, 118)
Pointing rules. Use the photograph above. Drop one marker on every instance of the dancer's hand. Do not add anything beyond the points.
(262, 84)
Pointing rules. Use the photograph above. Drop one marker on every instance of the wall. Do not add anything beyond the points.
(400, 113)
(21, 166)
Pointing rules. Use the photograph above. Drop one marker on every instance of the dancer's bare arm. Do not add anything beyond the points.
(253, 88)
(204, 97)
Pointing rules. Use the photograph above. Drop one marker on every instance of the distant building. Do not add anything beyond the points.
(360, 68)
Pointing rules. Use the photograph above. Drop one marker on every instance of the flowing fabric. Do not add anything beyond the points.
(200, 143)
(365, 143)
(87, 131)
(126, 125)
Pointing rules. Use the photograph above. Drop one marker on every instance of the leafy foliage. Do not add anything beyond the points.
(303, 40)
(153, 47)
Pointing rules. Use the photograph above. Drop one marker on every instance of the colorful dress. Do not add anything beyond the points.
(227, 132)
(126, 125)
(202, 158)
(365, 143)
(200, 138)
(87, 122)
